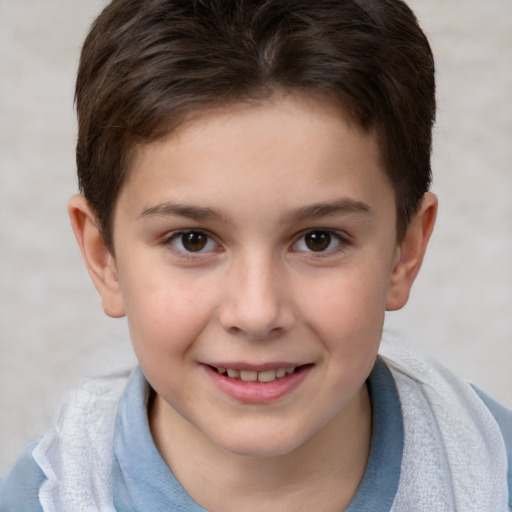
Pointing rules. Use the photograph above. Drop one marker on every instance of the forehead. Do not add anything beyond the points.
(288, 148)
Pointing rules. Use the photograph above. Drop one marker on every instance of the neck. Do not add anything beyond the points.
(322, 474)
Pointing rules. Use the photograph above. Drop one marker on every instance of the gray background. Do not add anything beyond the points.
(52, 329)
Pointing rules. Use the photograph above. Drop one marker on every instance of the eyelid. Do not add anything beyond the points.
(342, 238)
(166, 240)
(175, 235)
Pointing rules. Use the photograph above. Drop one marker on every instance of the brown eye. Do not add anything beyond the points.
(192, 241)
(318, 240)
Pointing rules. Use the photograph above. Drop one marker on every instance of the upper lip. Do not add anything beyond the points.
(240, 365)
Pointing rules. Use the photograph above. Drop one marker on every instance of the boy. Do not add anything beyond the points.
(255, 184)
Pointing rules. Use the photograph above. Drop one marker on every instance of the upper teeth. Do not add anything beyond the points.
(253, 376)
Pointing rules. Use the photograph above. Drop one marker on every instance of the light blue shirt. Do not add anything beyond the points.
(143, 482)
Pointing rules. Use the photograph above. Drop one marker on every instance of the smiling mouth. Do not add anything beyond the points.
(255, 376)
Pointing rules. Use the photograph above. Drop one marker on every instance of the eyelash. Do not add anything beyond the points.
(182, 251)
(333, 236)
(178, 236)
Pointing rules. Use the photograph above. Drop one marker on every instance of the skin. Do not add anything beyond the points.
(257, 181)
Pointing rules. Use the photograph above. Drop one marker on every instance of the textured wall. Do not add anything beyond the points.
(52, 329)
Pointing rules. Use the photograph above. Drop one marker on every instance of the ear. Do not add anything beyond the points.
(410, 253)
(99, 261)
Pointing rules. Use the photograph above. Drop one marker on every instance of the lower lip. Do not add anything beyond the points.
(258, 392)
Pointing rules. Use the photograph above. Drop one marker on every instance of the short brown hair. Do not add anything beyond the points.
(146, 64)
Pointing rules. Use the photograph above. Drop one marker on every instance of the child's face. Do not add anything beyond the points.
(257, 239)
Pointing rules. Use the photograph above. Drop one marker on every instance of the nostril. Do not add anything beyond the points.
(256, 311)
(257, 335)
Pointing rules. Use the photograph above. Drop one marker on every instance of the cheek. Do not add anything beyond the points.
(349, 295)
(347, 306)
(166, 313)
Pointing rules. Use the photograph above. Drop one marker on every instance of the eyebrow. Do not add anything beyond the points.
(181, 210)
(338, 207)
(314, 211)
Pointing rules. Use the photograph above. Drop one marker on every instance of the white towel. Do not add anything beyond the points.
(454, 454)
(76, 455)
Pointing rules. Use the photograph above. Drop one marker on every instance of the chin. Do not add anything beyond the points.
(257, 444)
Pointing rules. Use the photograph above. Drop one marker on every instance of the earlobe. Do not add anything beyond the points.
(99, 261)
(411, 252)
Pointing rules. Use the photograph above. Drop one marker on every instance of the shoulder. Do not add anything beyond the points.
(443, 415)
(80, 442)
(19, 489)
(503, 417)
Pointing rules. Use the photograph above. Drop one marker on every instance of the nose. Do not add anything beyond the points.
(257, 302)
